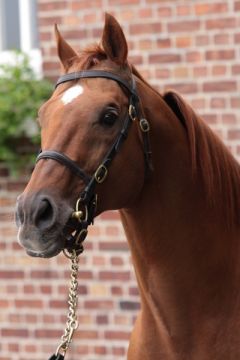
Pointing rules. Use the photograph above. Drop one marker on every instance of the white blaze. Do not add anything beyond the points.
(71, 94)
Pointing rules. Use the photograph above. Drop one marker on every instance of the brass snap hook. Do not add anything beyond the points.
(79, 214)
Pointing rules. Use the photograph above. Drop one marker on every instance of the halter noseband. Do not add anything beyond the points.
(88, 197)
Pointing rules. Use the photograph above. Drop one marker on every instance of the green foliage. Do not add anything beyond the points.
(21, 95)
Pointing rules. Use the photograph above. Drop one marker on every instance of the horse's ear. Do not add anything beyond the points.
(113, 41)
(65, 51)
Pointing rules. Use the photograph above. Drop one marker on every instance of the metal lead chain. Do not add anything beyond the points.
(72, 323)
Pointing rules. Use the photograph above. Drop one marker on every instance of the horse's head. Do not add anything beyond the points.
(82, 127)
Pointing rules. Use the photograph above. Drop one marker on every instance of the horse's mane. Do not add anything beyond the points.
(210, 158)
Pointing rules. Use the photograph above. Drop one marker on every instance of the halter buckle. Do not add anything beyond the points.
(132, 112)
(144, 125)
(101, 174)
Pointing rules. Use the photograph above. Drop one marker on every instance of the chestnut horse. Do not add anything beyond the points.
(177, 188)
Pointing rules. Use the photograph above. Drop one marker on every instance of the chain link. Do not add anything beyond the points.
(72, 323)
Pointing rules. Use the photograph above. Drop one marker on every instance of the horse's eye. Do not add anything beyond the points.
(109, 118)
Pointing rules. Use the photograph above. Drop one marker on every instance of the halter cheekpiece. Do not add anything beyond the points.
(87, 202)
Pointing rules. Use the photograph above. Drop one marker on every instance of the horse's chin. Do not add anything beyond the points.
(50, 252)
(43, 246)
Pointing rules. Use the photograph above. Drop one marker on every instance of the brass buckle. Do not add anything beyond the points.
(132, 112)
(144, 125)
(101, 174)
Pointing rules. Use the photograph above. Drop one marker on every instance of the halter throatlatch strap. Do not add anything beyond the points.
(86, 204)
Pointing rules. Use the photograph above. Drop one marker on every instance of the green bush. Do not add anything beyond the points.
(21, 95)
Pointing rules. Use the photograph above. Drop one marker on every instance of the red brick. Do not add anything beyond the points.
(220, 86)
(183, 88)
(164, 58)
(100, 350)
(27, 303)
(11, 274)
(118, 261)
(188, 25)
(226, 23)
(219, 70)
(133, 291)
(52, 6)
(199, 71)
(75, 34)
(49, 21)
(145, 13)
(30, 348)
(218, 103)
(118, 351)
(202, 40)
(113, 275)
(198, 103)
(49, 65)
(220, 54)
(13, 347)
(194, 56)
(164, 11)
(208, 8)
(163, 43)
(229, 119)
(184, 10)
(237, 6)
(237, 38)
(4, 304)
(102, 319)
(211, 119)
(46, 289)
(84, 4)
(31, 318)
(234, 134)
(14, 333)
(28, 289)
(222, 39)
(146, 28)
(184, 41)
(129, 305)
(58, 304)
(116, 335)
(235, 69)
(87, 334)
(48, 333)
(48, 319)
(44, 274)
(98, 304)
(114, 246)
(123, 2)
(235, 102)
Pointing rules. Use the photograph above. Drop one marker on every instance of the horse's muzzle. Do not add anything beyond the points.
(41, 221)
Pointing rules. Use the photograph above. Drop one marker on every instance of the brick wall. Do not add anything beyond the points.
(192, 46)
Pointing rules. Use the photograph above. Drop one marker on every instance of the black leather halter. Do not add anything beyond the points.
(88, 197)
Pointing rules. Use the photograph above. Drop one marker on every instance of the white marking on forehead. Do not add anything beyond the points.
(71, 94)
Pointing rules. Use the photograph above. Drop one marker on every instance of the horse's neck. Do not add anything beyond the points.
(183, 255)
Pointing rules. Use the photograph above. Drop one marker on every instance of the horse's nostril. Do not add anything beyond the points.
(44, 215)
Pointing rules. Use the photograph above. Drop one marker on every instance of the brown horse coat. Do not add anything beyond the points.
(181, 220)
